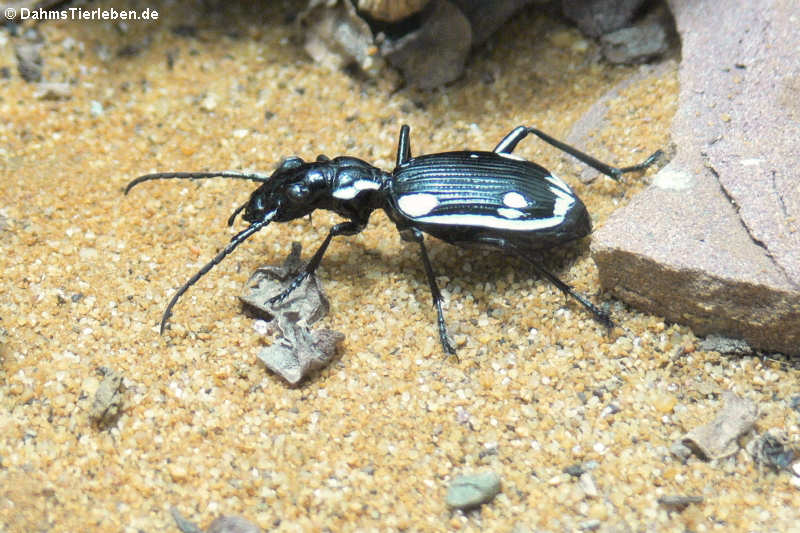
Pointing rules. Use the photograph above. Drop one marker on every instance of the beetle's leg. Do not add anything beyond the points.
(599, 315)
(416, 235)
(350, 227)
(612, 172)
(404, 145)
(511, 140)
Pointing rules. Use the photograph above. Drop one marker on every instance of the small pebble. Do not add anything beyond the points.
(725, 345)
(794, 403)
(575, 470)
(635, 44)
(586, 482)
(770, 450)
(108, 400)
(232, 524)
(589, 525)
(209, 103)
(681, 451)
(95, 108)
(663, 403)
(679, 503)
(610, 409)
(468, 491)
(53, 91)
(598, 511)
(183, 524)
(29, 61)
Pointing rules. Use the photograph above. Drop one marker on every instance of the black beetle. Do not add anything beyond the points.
(469, 198)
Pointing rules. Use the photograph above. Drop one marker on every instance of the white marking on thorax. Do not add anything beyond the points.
(350, 192)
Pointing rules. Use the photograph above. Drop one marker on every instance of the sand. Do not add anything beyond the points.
(372, 441)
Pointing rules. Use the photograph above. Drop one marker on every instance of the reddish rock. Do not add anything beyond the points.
(714, 243)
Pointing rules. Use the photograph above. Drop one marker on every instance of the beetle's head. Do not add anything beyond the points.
(294, 190)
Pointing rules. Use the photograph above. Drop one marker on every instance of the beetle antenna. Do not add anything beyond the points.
(230, 174)
(237, 239)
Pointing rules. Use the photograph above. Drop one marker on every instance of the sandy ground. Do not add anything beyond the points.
(371, 442)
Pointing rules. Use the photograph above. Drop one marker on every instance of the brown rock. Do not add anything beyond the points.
(444, 29)
(391, 10)
(714, 242)
(596, 17)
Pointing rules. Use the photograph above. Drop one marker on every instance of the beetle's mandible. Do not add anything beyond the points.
(469, 198)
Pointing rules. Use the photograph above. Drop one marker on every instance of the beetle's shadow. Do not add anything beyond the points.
(353, 267)
(485, 265)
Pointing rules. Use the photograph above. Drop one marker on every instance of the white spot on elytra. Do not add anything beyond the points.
(515, 200)
(558, 182)
(509, 213)
(565, 198)
(494, 222)
(562, 205)
(416, 205)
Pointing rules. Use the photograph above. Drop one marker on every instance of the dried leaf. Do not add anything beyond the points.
(718, 439)
(308, 300)
(300, 351)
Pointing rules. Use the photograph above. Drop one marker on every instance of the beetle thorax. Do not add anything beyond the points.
(354, 177)
(346, 185)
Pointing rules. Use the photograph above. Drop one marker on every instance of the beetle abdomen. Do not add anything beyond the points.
(464, 195)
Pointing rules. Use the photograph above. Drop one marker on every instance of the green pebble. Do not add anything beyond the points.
(472, 490)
